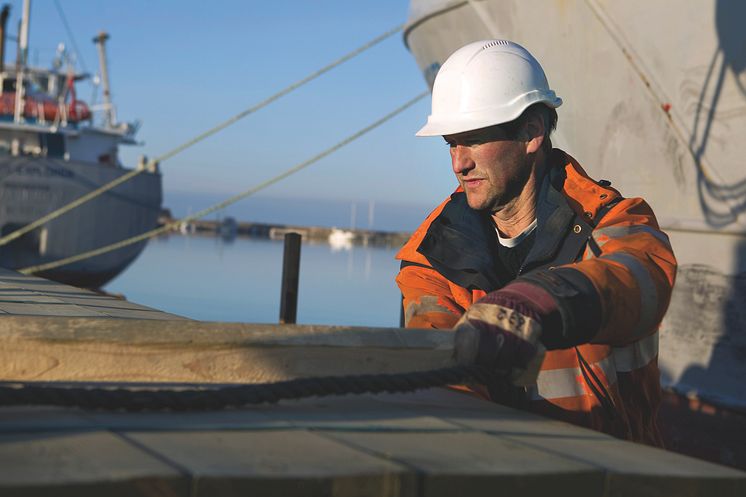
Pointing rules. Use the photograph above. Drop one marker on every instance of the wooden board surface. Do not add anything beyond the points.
(643, 471)
(478, 464)
(22, 295)
(282, 463)
(140, 350)
(434, 442)
(54, 332)
(81, 463)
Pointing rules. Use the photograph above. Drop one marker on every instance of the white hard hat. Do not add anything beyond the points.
(486, 83)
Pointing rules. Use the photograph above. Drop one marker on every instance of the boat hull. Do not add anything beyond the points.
(31, 187)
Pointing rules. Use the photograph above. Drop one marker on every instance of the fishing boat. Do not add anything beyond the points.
(655, 102)
(52, 152)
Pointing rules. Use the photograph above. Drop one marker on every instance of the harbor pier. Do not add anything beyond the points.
(432, 442)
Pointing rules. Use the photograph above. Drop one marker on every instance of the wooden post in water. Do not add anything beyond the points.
(290, 271)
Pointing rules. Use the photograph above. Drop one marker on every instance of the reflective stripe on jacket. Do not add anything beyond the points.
(610, 384)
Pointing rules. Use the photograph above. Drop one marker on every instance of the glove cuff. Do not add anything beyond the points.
(568, 303)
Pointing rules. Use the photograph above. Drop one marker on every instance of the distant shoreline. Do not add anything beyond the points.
(388, 216)
(229, 228)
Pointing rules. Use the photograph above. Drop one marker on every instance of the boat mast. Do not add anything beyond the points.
(23, 51)
(100, 42)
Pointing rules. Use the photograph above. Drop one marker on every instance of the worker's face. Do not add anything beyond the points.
(491, 168)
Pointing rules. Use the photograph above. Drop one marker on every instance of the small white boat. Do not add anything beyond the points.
(341, 239)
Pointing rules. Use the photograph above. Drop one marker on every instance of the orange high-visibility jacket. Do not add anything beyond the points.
(617, 270)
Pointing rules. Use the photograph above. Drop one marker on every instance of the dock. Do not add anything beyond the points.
(433, 442)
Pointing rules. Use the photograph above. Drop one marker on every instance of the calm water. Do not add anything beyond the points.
(206, 278)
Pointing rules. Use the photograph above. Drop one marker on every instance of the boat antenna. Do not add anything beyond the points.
(22, 59)
(3, 25)
(78, 53)
(100, 42)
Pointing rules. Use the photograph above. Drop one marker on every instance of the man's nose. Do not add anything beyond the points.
(461, 159)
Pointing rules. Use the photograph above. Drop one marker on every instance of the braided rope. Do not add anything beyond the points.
(121, 397)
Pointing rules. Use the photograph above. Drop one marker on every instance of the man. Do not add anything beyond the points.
(550, 278)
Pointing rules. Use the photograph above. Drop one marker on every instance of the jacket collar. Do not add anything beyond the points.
(461, 243)
(554, 217)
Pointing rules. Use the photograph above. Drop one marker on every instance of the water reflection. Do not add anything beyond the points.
(207, 279)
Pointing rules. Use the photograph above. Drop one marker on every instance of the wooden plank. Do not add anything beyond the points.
(81, 464)
(354, 412)
(17, 301)
(437, 434)
(42, 419)
(10, 292)
(119, 308)
(278, 463)
(31, 308)
(22, 295)
(244, 419)
(640, 471)
(650, 468)
(476, 464)
(466, 411)
(36, 284)
(90, 349)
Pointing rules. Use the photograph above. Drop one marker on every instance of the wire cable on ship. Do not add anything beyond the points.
(78, 53)
(118, 396)
(206, 134)
(221, 205)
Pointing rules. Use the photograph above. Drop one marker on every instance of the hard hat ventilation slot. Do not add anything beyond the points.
(495, 43)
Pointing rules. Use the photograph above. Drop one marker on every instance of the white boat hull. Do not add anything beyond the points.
(31, 187)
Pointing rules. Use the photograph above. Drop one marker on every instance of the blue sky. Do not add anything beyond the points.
(183, 66)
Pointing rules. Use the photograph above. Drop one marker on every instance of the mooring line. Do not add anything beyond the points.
(221, 205)
(126, 177)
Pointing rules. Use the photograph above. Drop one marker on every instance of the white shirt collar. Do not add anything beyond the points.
(514, 241)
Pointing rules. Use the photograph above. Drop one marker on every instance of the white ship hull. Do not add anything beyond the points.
(31, 187)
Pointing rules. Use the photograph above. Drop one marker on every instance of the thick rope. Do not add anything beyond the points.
(240, 196)
(122, 397)
(126, 177)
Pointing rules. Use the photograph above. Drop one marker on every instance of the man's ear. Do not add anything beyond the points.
(534, 133)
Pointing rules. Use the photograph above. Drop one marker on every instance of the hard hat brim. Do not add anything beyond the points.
(489, 117)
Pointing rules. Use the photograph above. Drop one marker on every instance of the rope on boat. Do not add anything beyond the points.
(126, 177)
(221, 205)
(144, 398)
